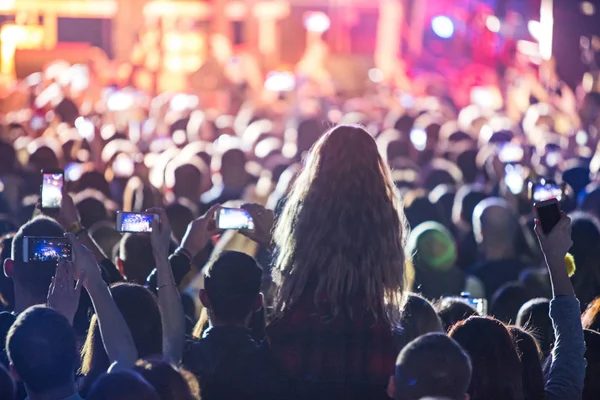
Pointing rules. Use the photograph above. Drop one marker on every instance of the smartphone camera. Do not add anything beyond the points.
(234, 219)
(52, 188)
(135, 222)
(46, 249)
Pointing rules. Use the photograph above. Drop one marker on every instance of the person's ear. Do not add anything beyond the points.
(204, 299)
(120, 267)
(391, 388)
(9, 266)
(258, 303)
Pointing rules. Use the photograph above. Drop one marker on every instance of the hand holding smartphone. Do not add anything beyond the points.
(234, 219)
(548, 212)
(130, 222)
(52, 189)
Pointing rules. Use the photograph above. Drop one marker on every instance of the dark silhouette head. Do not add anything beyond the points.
(496, 364)
(167, 381)
(534, 317)
(123, 385)
(432, 365)
(531, 363)
(452, 311)
(419, 318)
(507, 302)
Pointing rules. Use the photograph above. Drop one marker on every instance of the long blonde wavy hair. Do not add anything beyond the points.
(343, 229)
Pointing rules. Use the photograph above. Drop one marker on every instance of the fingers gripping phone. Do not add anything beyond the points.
(548, 212)
(52, 189)
(234, 219)
(46, 249)
(131, 222)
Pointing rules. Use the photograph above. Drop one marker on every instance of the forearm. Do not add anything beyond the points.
(115, 333)
(567, 372)
(171, 309)
(561, 284)
(88, 242)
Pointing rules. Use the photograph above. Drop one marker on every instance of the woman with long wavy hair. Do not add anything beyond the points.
(339, 270)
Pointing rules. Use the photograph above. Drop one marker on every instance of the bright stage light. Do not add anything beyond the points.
(317, 22)
(493, 23)
(535, 28)
(587, 8)
(442, 26)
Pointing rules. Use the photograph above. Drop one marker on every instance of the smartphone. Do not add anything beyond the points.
(545, 191)
(46, 249)
(234, 219)
(510, 153)
(478, 304)
(135, 222)
(548, 212)
(52, 188)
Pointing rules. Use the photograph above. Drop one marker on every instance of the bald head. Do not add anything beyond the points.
(494, 221)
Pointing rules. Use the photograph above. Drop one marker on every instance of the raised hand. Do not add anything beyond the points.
(200, 231)
(557, 243)
(86, 267)
(161, 232)
(63, 294)
(263, 224)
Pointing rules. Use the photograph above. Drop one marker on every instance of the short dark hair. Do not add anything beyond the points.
(34, 278)
(432, 365)
(452, 311)
(232, 283)
(41, 345)
(135, 250)
(7, 385)
(122, 385)
(534, 316)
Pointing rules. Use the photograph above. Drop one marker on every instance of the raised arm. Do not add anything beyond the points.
(169, 300)
(68, 217)
(567, 372)
(116, 337)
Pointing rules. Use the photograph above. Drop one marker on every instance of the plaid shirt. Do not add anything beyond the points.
(353, 352)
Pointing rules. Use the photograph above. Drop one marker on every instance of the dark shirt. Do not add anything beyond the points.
(229, 364)
(495, 273)
(349, 358)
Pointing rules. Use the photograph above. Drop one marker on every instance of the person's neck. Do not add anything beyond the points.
(498, 251)
(57, 393)
(24, 300)
(217, 323)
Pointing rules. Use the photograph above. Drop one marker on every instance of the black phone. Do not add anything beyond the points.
(548, 212)
(51, 190)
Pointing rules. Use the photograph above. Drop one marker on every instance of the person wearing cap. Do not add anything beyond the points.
(226, 359)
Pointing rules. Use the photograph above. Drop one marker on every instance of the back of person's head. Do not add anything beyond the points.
(452, 311)
(496, 364)
(42, 349)
(530, 355)
(91, 207)
(232, 165)
(442, 197)
(418, 208)
(232, 287)
(167, 381)
(8, 389)
(8, 155)
(33, 278)
(94, 180)
(136, 259)
(355, 252)
(589, 199)
(188, 178)
(418, 318)
(105, 235)
(309, 131)
(467, 198)
(591, 317)
(467, 162)
(585, 233)
(180, 214)
(495, 222)
(123, 385)
(534, 316)
(140, 311)
(507, 302)
(432, 247)
(591, 385)
(432, 365)
(43, 158)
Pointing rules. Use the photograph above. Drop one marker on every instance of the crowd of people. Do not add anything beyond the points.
(395, 250)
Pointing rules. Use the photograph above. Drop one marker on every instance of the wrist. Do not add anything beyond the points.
(95, 283)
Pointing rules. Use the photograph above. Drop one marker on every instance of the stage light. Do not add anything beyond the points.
(535, 28)
(317, 22)
(442, 26)
(587, 8)
(493, 23)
